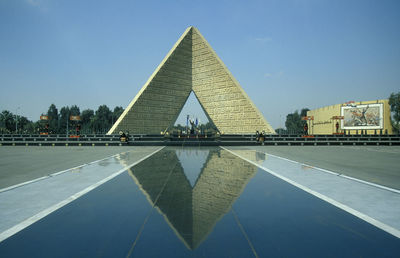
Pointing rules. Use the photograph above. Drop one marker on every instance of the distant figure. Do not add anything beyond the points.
(192, 127)
(305, 129)
(127, 136)
(337, 127)
(78, 129)
(261, 137)
(122, 136)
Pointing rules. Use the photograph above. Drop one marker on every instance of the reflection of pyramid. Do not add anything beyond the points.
(191, 65)
(192, 212)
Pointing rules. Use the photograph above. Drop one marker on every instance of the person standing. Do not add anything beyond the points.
(305, 129)
(337, 127)
(78, 129)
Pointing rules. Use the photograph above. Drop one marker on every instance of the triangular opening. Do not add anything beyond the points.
(192, 162)
(192, 111)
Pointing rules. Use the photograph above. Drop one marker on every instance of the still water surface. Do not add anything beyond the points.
(200, 202)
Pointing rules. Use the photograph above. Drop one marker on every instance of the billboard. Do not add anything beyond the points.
(362, 117)
(75, 118)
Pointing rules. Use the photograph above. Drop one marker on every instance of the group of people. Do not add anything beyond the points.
(260, 136)
(124, 137)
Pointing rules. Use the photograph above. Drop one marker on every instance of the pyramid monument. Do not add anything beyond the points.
(191, 65)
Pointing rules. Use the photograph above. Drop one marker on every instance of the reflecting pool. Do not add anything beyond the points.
(200, 202)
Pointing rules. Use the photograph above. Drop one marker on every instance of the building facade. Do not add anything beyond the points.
(363, 117)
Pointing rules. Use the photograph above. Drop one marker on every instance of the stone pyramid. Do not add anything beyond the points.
(191, 65)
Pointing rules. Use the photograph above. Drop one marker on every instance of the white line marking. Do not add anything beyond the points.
(22, 184)
(372, 184)
(296, 162)
(15, 229)
(54, 174)
(338, 174)
(346, 208)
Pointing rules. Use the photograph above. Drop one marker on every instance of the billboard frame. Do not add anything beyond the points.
(362, 127)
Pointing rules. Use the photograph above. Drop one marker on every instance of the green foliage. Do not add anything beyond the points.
(91, 122)
(64, 119)
(304, 112)
(32, 127)
(9, 123)
(209, 127)
(74, 111)
(117, 113)
(102, 119)
(23, 123)
(293, 123)
(87, 117)
(280, 131)
(394, 102)
(52, 113)
(178, 127)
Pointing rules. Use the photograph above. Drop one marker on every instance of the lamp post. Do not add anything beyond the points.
(3, 122)
(16, 119)
(187, 124)
(67, 123)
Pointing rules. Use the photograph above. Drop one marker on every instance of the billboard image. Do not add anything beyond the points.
(362, 117)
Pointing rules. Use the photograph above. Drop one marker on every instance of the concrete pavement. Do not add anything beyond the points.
(19, 164)
(375, 164)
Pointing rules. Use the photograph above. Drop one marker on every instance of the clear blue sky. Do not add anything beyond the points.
(285, 54)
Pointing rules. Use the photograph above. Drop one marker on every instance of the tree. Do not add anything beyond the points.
(52, 113)
(8, 121)
(102, 119)
(304, 112)
(23, 124)
(74, 111)
(394, 102)
(64, 119)
(29, 128)
(293, 123)
(208, 126)
(280, 131)
(87, 120)
(116, 114)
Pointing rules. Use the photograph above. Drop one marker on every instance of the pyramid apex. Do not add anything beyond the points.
(189, 30)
